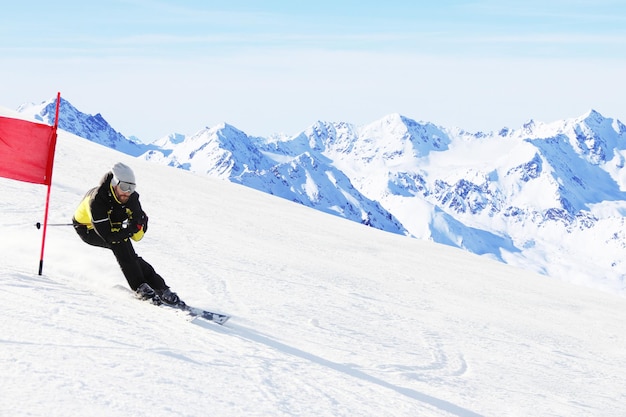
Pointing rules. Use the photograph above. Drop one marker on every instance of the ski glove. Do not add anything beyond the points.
(140, 223)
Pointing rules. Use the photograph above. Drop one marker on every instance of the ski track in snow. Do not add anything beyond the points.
(77, 338)
(328, 317)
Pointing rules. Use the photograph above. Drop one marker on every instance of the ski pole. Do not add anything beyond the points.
(38, 224)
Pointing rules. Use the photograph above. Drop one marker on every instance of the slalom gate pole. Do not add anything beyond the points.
(45, 227)
(51, 150)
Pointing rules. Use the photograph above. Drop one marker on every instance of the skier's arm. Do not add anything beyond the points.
(138, 219)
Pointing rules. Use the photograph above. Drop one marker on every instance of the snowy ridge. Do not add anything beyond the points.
(548, 197)
(93, 128)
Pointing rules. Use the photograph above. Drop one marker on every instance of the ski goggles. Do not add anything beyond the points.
(126, 187)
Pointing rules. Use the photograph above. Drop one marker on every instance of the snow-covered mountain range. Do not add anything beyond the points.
(87, 126)
(549, 197)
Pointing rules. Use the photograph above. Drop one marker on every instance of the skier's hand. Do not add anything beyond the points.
(142, 222)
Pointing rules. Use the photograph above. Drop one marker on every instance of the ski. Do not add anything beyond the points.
(198, 312)
(191, 311)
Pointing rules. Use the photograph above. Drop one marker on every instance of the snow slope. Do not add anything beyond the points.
(330, 318)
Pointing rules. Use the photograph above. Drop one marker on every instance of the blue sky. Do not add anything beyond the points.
(156, 67)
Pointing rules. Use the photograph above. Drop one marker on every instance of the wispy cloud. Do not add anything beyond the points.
(160, 27)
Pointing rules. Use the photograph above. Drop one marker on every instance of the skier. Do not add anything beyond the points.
(110, 216)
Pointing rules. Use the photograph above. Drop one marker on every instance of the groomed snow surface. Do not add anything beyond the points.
(330, 318)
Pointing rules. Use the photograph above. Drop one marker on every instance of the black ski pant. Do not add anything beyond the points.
(135, 268)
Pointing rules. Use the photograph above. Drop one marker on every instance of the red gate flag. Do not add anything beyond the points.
(26, 150)
(27, 154)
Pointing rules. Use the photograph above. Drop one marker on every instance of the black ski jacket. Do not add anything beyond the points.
(113, 221)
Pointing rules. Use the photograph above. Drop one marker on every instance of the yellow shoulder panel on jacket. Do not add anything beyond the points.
(83, 213)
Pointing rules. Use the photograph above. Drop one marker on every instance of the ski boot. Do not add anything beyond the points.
(145, 292)
(169, 297)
